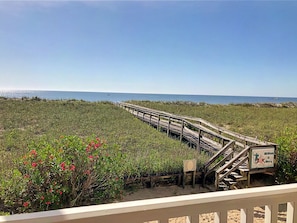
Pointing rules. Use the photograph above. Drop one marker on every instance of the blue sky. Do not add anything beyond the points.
(194, 47)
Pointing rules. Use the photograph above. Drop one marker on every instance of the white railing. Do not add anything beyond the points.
(164, 209)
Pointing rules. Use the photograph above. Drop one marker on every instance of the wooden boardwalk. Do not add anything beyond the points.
(230, 153)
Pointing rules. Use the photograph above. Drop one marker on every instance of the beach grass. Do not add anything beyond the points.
(28, 120)
(148, 151)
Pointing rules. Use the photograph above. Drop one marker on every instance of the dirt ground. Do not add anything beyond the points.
(162, 191)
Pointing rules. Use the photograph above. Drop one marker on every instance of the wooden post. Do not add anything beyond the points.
(158, 127)
(248, 179)
(168, 127)
(198, 143)
(182, 131)
(189, 166)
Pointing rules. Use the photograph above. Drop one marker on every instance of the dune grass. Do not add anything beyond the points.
(148, 151)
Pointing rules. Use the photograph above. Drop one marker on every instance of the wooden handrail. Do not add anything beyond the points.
(219, 153)
(234, 159)
(237, 136)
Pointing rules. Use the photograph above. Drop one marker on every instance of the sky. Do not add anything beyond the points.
(238, 48)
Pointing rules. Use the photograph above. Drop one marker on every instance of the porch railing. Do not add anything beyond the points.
(165, 209)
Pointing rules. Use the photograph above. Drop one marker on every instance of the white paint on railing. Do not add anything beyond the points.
(163, 209)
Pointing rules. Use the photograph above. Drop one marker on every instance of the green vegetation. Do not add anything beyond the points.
(287, 158)
(66, 172)
(30, 129)
(28, 122)
(148, 151)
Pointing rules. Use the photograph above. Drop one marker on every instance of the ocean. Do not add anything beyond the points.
(120, 97)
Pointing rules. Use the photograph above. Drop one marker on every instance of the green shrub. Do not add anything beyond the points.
(65, 173)
(287, 156)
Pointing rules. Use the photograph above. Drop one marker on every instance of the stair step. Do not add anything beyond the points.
(233, 173)
(244, 169)
(222, 186)
(229, 182)
(237, 176)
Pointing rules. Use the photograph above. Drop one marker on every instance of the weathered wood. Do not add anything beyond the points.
(182, 131)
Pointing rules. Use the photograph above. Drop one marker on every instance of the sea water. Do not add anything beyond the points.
(120, 97)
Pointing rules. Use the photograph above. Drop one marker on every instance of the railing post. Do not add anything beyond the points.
(168, 127)
(182, 131)
(246, 215)
(158, 125)
(220, 217)
(271, 212)
(217, 180)
(198, 143)
(291, 212)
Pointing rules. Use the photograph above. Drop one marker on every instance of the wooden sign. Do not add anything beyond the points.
(190, 165)
(262, 157)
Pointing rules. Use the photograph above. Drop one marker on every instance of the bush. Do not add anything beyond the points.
(65, 173)
(287, 156)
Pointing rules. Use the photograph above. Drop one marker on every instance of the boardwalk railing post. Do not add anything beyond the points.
(198, 143)
(168, 127)
(182, 131)
(158, 125)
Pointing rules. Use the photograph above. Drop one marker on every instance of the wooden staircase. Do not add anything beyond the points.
(232, 169)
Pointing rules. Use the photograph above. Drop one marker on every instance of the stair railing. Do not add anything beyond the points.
(234, 163)
(215, 157)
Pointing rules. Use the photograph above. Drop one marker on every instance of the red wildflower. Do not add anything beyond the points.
(63, 166)
(91, 157)
(99, 144)
(50, 190)
(34, 165)
(33, 152)
(26, 204)
(48, 203)
(88, 172)
(42, 198)
(72, 167)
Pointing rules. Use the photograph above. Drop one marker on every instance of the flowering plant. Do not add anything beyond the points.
(68, 172)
